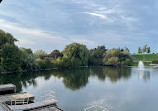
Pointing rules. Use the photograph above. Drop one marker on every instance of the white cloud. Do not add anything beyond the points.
(97, 14)
(101, 16)
(25, 42)
(29, 31)
(33, 38)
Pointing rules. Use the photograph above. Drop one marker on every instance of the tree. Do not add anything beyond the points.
(77, 51)
(40, 53)
(126, 51)
(24, 50)
(11, 58)
(28, 59)
(148, 50)
(144, 48)
(96, 55)
(139, 50)
(9, 52)
(117, 57)
(56, 53)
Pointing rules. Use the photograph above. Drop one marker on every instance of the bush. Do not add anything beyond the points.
(113, 61)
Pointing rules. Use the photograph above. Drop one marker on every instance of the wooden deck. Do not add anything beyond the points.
(22, 101)
(6, 99)
(7, 87)
(33, 105)
(48, 108)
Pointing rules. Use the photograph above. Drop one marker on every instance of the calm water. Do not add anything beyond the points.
(118, 89)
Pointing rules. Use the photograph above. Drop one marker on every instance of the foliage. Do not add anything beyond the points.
(9, 52)
(139, 50)
(55, 54)
(144, 49)
(28, 59)
(96, 56)
(117, 57)
(44, 63)
(76, 53)
(11, 58)
(40, 53)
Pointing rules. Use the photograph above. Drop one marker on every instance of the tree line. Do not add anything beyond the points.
(144, 49)
(74, 55)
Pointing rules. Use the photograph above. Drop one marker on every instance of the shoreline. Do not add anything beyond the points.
(37, 70)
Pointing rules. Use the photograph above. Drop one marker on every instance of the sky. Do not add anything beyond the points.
(52, 24)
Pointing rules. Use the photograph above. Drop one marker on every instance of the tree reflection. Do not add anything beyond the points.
(76, 79)
(72, 79)
(114, 74)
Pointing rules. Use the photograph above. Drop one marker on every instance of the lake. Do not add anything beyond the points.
(117, 89)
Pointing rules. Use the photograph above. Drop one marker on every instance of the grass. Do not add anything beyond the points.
(145, 57)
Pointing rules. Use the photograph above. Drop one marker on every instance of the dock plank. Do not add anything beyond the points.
(33, 105)
(48, 108)
(7, 87)
(10, 97)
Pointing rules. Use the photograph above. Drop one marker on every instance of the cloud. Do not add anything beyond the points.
(35, 32)
(102, 16)
(32, 37)
(25, 42)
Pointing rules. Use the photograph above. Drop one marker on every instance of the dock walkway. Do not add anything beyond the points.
(7, 87)
(11, 97)
(48, 108)
(33, 105)
(24, 101)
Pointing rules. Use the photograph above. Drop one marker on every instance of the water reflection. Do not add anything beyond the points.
(72, 79)
(113, 74)
(144, 75)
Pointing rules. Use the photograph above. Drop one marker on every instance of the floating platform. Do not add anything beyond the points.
(7, 99)
(24, 101)
(7, 88)
(33, 105)
(48, 108)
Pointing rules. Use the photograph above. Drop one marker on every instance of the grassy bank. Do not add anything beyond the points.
(145, 57)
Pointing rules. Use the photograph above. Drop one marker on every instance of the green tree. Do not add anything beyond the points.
(148, 50)
(139, 50)
(40, 53)
(44, 63)
(28, 59)
(144, 49)
(77, 51)
(11, 58)
(55, 54)
(25, 50)
(96, 56)
(117, 57)
(9, 52)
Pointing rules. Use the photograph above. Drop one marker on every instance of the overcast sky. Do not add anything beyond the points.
(52, 24)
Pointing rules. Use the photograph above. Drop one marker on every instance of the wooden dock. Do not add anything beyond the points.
(7, 87)
(33, 105)
(24, 101)
(6, 99)
(48, 108)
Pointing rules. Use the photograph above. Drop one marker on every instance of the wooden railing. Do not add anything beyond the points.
(20, 101)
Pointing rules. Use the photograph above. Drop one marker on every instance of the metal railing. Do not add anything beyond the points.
(96, 108)
(49, 95)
